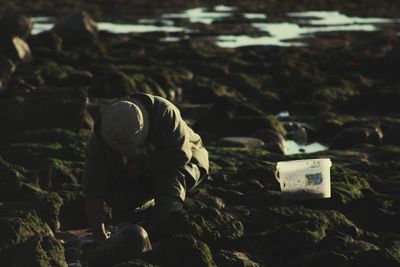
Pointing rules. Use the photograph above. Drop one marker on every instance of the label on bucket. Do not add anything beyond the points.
(314, 178)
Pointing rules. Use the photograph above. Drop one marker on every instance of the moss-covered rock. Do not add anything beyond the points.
(15, 183)
(233, 259)
(68, 110)
(208, 224)
(111, 83)
(53, 164)
(23, 233)
(183, 250)
(312, 225)
(47, 205)
(348, 184)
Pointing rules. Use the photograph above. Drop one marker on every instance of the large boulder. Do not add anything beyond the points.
(13, 23)
(76, 29)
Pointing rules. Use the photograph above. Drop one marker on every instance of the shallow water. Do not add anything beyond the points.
(127, 28)
(335, 18)
(299, 25)
(202, 15)
(255, 16)
(146, 25)
(295, 148)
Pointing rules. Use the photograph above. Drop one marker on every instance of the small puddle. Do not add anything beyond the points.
(146, 25)
(299, 25)
(335, 18)
(307, 24)
(295, 148)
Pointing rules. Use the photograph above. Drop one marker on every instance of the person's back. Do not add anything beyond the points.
(140, 150)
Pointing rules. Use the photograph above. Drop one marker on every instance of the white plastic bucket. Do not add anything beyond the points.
(304, 179)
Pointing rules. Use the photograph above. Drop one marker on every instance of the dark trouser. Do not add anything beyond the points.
(132, 193)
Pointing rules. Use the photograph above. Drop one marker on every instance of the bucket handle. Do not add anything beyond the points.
(277, 176)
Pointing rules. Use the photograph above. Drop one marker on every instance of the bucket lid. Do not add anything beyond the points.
(322, 161)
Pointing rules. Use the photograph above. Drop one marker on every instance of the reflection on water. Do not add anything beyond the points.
(223, 8)
(311, 22)
(201, 14)
(301, 25)
(255, 16)
(282, 33)
(234, 41)
(127, 28)
(283, 114)
(43, 24)
(335, 18)
(295, 148)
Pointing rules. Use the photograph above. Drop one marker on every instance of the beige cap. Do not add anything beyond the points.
(125, 125)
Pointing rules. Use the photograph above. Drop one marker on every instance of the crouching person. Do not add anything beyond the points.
(141, 152)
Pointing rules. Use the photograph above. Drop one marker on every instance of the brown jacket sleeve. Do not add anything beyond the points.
(173, 136)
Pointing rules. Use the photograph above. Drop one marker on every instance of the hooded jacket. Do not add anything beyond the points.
(174, 145)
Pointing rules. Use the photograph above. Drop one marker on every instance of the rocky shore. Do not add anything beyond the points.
(342, 90)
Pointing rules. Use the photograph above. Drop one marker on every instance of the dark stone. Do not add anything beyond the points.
(353, 136)
(127, 242)
(76, 29)
(13, 23)
(274, 141)
(47, 39)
